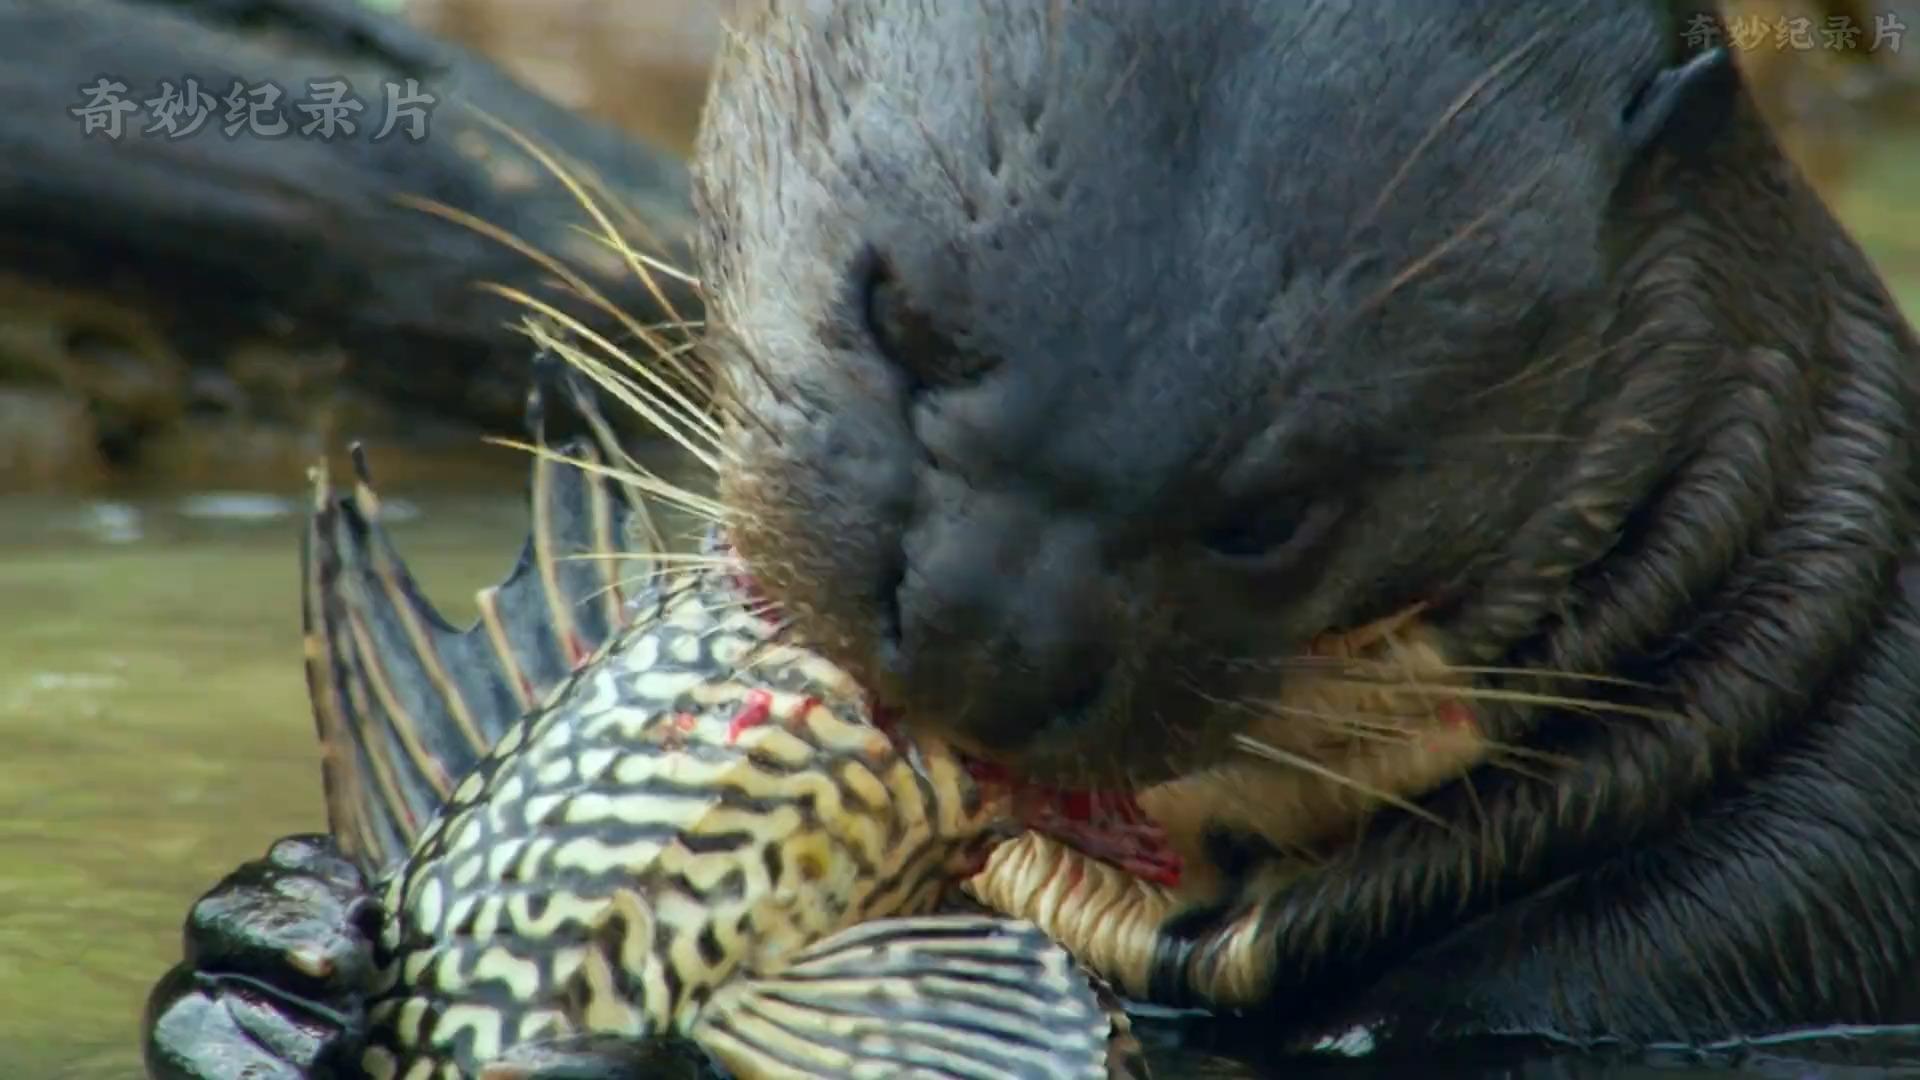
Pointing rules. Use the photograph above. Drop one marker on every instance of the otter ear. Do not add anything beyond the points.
(1684, 104)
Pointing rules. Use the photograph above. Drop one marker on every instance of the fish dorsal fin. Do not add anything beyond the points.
(404, 702)
(949, 996)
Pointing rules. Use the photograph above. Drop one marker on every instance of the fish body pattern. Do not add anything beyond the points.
(694, 806)
(697, 836)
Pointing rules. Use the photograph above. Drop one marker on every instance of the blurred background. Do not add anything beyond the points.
(186, 323)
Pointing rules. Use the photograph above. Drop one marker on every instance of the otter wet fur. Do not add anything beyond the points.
(1084, 362)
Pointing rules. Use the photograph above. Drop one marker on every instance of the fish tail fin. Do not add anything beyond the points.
(404, 703)
(971, 996)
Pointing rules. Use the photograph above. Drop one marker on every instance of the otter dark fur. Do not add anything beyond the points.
(1084, 355)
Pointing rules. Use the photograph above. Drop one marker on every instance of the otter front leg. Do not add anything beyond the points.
(1704, 937)
(278, 963)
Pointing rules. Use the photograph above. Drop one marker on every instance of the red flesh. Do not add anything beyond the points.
(807, 705)
(1105, 825)
(757, 710)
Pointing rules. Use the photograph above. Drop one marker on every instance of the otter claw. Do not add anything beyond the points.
(210, 1027)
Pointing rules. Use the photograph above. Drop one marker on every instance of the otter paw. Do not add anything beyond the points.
(214, 1027)
(278, 964)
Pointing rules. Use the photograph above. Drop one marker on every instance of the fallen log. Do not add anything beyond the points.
(203, 212)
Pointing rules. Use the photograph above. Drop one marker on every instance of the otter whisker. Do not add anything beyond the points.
(1320, 664)
(696, 414)
(1447, 117)
(1471, 692)
(691, 558)
(1258, 748)
(642, 508)
(1376, 728)
(1502, 761)
(1349, 728)
(551, 263)
(638, 265)
(654, 576)
(1388, 729)
(630, 581)
(674, 356)
(767, 651)
(1550, 363)
(1333, 388)
(1440, 691)
(1499, 438)
(636, 223)
(1422, 263)
(1364, 670)
(1521, 697)
(616, 243)
(685, 326)
(638, 480)
(571, 278)
(637, 398)
(727, 607)
(691, 501)
(778, 624)
(1370, 725)
(1269, 752)
(603, 432)
(689, 412)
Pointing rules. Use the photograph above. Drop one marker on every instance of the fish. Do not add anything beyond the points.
(623, 812)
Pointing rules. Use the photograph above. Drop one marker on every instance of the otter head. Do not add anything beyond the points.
(1087, 358)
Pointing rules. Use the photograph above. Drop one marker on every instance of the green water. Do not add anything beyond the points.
(155, 726)
(153, 709)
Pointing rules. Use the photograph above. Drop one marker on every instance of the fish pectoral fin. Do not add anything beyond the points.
(404, 702)
(600, 1057)
(936, 996)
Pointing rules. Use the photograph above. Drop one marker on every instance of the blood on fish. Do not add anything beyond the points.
(757, 710)
(1166, 872)
(799, 714)
(987, 773)
(1455, 716)
(973, 862)
(685, 721)
(1452, 717)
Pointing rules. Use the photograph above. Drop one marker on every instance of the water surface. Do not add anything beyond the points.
(154, 716)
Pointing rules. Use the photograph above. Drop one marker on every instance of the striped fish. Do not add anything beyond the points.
(619, 818)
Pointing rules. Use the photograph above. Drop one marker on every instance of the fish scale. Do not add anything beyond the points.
(692, 831)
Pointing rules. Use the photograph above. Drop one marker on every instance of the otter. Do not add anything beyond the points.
(1085, 361)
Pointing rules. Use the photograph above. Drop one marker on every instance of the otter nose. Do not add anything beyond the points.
(1006, 622)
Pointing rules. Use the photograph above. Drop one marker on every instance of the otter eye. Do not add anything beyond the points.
(908, 338)
(1265, 529)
